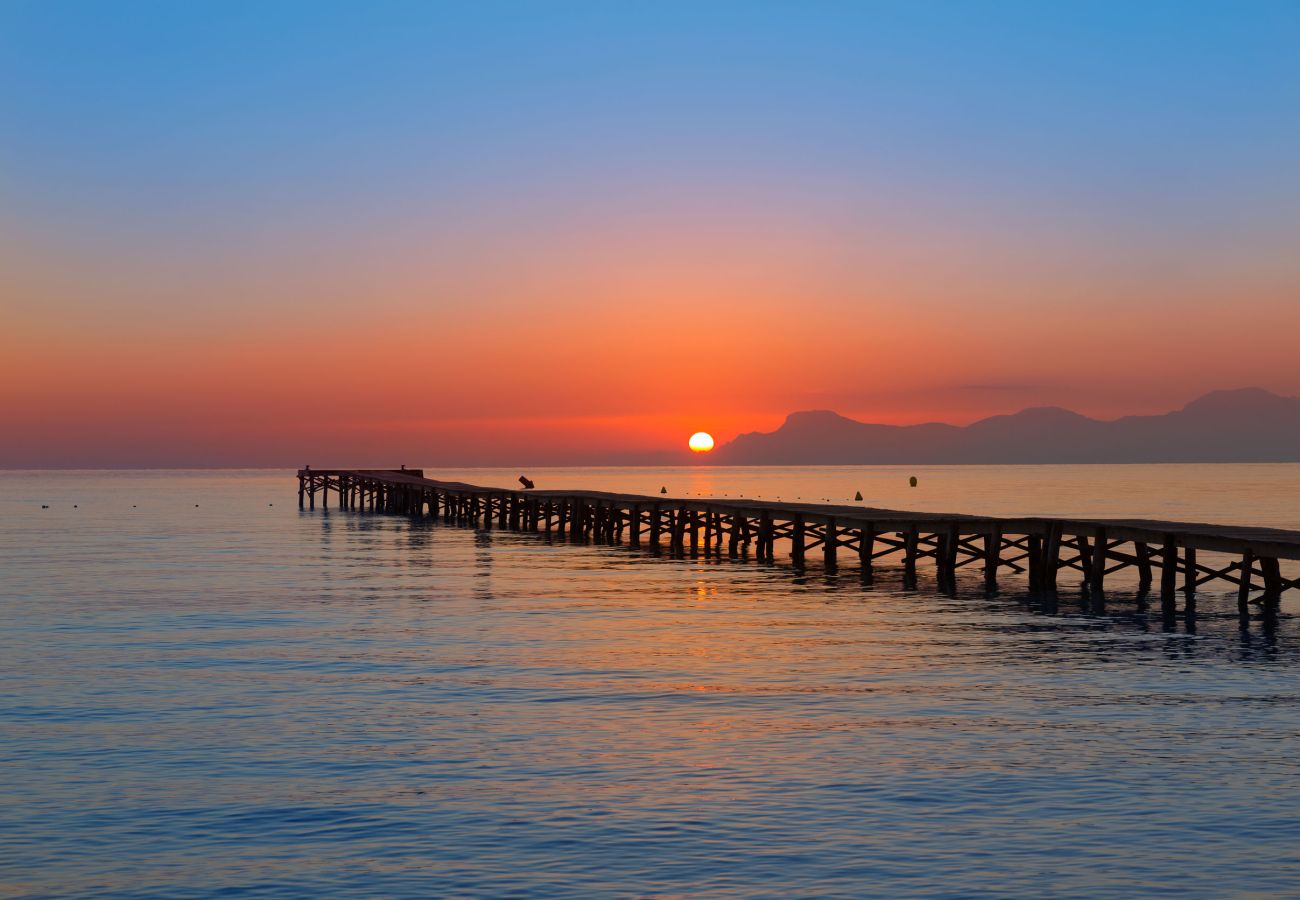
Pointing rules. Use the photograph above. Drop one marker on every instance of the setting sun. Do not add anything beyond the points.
(701, 442)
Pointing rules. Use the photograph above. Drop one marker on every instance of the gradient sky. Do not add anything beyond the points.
(247, 233)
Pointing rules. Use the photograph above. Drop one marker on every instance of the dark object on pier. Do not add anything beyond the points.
(858, 495)
(526, 482)
(1040, 548)
(663, 490)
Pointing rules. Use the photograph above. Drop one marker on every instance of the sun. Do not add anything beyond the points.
(701, 442)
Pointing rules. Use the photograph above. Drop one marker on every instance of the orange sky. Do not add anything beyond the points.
(264, 253)
(625, 344)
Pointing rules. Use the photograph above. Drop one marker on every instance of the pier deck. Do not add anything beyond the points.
(1039, 548)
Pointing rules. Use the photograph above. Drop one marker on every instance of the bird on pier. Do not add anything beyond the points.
(526, 482)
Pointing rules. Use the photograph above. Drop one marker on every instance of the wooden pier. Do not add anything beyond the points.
(1039, 548)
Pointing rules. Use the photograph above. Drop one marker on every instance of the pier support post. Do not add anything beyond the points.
(1243, 587)
(992, 556)
(1168, 568)
(829, 556)
(1052, 556)
(797, 541)
(679, 531)
(1097, 572)
(1037, 562)
(1143, 553)
(1272, 579)
(951, 539)
(1085, 557)
(1189, 571)
(942, 575)
(911, 539)
(866, 552)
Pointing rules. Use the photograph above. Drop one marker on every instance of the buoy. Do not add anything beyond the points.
(74, 506)
(663, 490)
(858, 495)
(912, 481)
(45, 506)
(196, 506)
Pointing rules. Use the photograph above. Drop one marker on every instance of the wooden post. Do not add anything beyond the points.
(1037, 562)
(766, 551)
(1189, 570)
(992, 556)
(1272, 578)
(950, 554)
(302, 489)
(656, 525)
(942, 575)
(634, 526)
(1243, 589)
(1143, 553)
(1051, 567)
(734, 523)
(910, 539)
(1097, 573)
(797, 541)
(830, 545)
(866, 549)
(1168, 567)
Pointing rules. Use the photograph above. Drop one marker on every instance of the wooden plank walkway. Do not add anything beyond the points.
(1040, 548)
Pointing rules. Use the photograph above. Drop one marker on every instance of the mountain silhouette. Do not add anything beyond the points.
(1246, 425)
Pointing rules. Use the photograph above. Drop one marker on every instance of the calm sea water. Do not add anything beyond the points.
(236, 697)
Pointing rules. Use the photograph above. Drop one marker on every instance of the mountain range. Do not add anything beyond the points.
(1246, 425)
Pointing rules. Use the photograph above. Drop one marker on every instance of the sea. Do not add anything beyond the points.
(207, 692)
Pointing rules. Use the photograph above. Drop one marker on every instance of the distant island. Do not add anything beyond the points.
(1247, 425)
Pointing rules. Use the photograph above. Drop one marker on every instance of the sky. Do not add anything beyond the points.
(275, 233)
